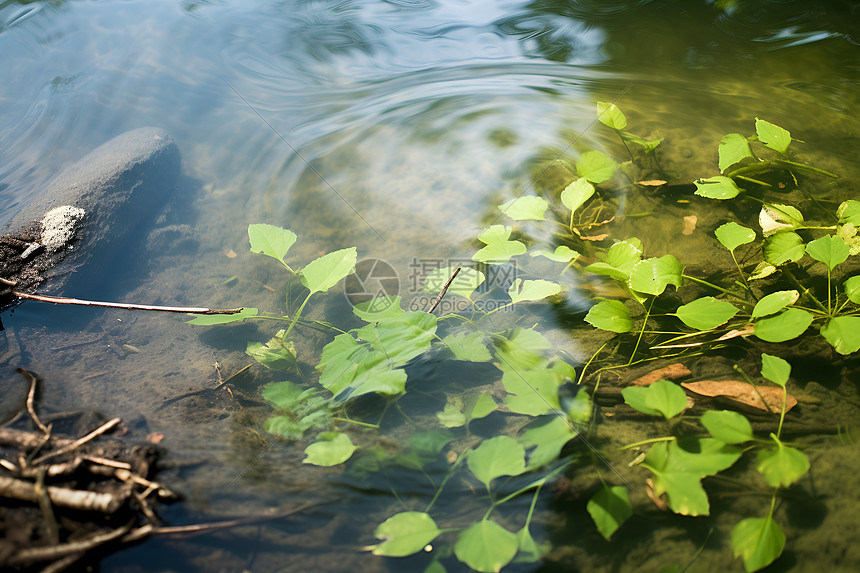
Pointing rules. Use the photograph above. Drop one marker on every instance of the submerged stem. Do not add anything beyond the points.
(641, 333)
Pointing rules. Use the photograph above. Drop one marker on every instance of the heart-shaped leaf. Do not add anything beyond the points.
(652, 276)
(486, 546)
(772, 136)
(731, 235)
(662, 398)
(577, 193)
(527, 208)
(270, 240)
(499, 456)
(595, 166)
(829, 249)
(405, 533)
(775, 369)
(759, 540)
(717, 187)
(728, 427)
(734, 148)
(610, 315)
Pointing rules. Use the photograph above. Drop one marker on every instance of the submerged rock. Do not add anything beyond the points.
(66, 240)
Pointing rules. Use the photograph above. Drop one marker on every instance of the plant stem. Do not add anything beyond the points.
(805, 290)
(740, 272)
(357, 423)
(641, 333)
(719, 288)
(297, 315)
(590, 360)
(646, 442)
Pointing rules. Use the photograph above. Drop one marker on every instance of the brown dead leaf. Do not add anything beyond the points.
(590, 238)
(670, 372)
(745, 396)
(652, 183)
(745, 331)
(659, 501)
(154, 437)
(231, 254)
(689, 224)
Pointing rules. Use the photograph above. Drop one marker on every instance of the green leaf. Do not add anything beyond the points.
(380, 309)
(775, 302)
(609, 508)
(522, 291)
(531, 391)
(562, 254)
(759, 540)
(843, 333)
(849, 212)
(787, 325)
(717, 187)
(783, 247)
(526, 208)
(499, 456)
(547, 436)
(782, 465)
(270, 240)
(323, 273)
(468, 347)
(775, 369)
(528, 549)
(464, 284)
(459, 411)
(734, 148)
(595, 166)
(647, 145)
(652, 276)
(773, 136)
(852, 289)
(774, 218)
(662, 398)
(298, 410)
(706, 313)
(486, 546)
(829, 249)
(277, 353)
(685, 492)
(620, 260)
(498, 248)
(207, 319)
(401, 340)
(610, 315)
(330, 449)
(577, 193)
(520, 348)
(610, 116)
(731, 235)
(405, 533)
(726, 426)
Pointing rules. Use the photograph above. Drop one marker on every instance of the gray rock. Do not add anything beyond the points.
(119, 186)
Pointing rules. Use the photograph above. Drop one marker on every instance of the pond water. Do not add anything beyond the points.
(397, 127)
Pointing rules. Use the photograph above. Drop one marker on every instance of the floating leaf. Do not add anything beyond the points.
(610, 116)
(521, 348)
(459, 411)
(562, 254)
(647, 145)
(609, 508)
(380, 309)
(754, 399)
(773, 136)
(531, 391)
(547, 437)
(706, 313)
(775, 302)
(829, 249)
(595, 166)
(270, 240)
(786, 325)
(662, 398)
(717, 187)
(577, 193)
(843, 333)
(852, 289)
(610, 315)
(774, 218)
(207, 319)
(498, 248)
(277, 353)
(499, 456)
(728, 427)
(323, 273)
(731, 235)
(620, 260)
(522, 291)
(782, 465)
(759, 540)
(486, 546)
(783, 247)
(468, 347)
(405, 533)
(652, 276)
(849, 212)
(526, 208)
(775, 369)
(330, 449)
(464, 284)
(734, 148)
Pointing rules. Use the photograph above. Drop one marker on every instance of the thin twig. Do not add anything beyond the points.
(444, 290)
(126, 306)
(78, 443)
(31, 396)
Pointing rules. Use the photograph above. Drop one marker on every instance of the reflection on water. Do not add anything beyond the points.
(393, 126)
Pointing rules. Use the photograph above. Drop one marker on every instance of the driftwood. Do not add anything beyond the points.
(123, 305)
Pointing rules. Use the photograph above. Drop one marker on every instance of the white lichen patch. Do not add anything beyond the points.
(59, 224)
